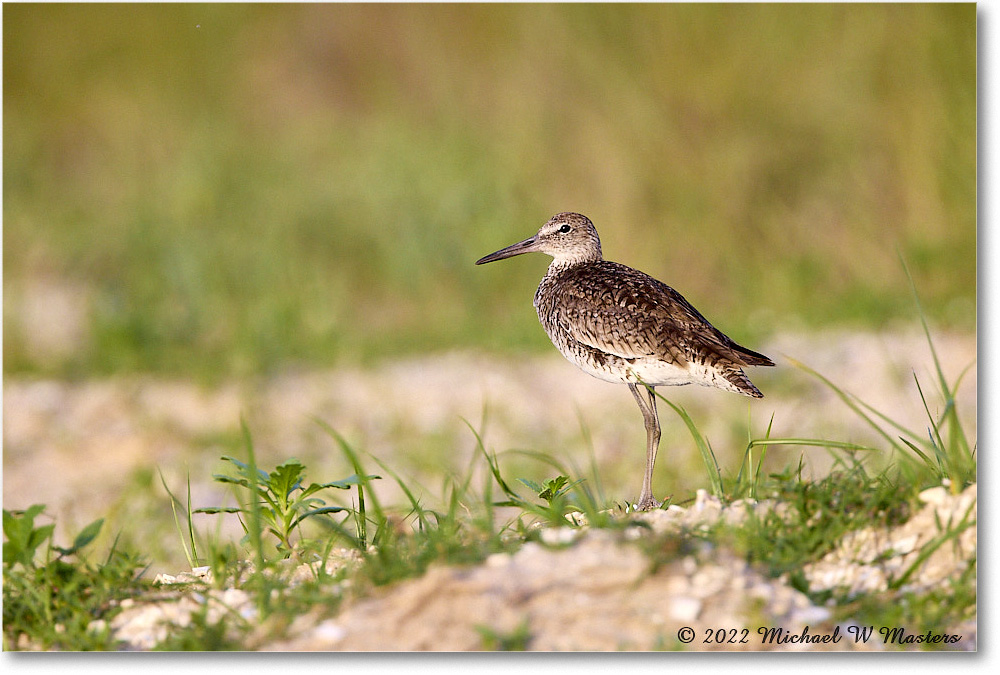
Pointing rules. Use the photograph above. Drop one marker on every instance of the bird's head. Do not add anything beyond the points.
(570, 238)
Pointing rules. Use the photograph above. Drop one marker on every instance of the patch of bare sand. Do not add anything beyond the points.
(598, 595)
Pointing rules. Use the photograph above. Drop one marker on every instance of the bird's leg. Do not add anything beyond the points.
(652, 422)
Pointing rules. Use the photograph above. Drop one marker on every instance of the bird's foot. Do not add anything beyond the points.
(646, 503)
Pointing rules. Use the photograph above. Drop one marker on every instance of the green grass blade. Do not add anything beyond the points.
(917, 451)
(378, 517)
(923, 322)
(959, 455)
(848, 399)
(933, 431)
(189, 554)
(933, 545)
(419, 510)
(190, 522)
(707, 456)
(888, 420)
(493, 464)
(815, 442)
(254, 511)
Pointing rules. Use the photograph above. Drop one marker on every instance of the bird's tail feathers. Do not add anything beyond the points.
(742, 384)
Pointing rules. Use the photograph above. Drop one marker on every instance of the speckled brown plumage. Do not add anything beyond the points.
(616, 315)
(622, 325)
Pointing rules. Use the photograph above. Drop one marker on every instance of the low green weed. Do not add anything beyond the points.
(516, 640)
(53, 596)
(937, 610)
(202, 635)
(556, 506)
(277, 501)
(813, 515)
(287, 503)
(22, 538)
(404, 543)
(563, 500)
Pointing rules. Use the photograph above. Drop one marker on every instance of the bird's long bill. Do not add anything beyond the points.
(526, 246)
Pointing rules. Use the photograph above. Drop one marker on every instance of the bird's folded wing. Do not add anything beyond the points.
(635, 318)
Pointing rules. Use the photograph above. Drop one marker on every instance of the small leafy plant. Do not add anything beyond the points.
(53, 594)
(560, 502)
(22, 538)
(279, 499)
(553, 489)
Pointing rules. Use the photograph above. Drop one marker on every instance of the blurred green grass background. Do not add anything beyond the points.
(217, 190)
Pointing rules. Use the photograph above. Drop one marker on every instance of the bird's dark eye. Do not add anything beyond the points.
(564, 229)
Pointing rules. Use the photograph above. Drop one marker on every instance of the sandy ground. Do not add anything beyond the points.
(597, 590)
(91, 449)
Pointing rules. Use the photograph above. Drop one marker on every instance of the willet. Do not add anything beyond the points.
(622, 325)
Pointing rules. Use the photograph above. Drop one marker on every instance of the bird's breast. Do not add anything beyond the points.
(555, 308)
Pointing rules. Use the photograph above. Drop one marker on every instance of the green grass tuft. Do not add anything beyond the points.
(53, 594)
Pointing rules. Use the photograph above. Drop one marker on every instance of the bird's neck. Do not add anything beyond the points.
(566, 260)
(560, 265)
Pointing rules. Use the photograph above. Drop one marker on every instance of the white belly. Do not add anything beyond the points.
(651, 371)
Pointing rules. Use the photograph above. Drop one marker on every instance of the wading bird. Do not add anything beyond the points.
(622, 325)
